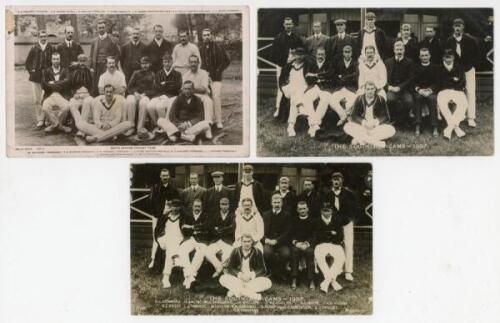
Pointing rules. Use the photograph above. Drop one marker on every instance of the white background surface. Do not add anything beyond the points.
(64, 227)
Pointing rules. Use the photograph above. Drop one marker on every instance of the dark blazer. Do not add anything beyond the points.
(426, 76)
(63, 86)
(411, 48)
(182, 111)
(156, 53)
(211, 199)
(142, 82)
(330, 233)
(407, 69)
(169, 85)
(289, 202)
(380, 41)
(435, 48)
(188, 195)
(302, 230)
(214, 59)
(82, 76)
(202, 227)
(131, 58)
(350, 209)
(469, 49)
(158, 195)
(346, 76)
(277, 226)
(37, 61)
(110, 47)
(335, 46)
(324, 80)
(380, 110)
(223, 229)
(313, 202)
(312, 44)
(451, 80)
(259, 195)
(256, 262)
(69, 55)
(282, 44)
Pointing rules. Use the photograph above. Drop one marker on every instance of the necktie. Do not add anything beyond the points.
(459, 49)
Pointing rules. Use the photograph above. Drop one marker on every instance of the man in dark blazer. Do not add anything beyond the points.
(276, 229)
(347, 207)
(160, 194)
(410, 43)
(434, 45)
(311, 197)
(131, 54)
(316, 40)
(157, 48)
(282, 44)
(192, 192)
(250, 188)
(103, 46)
(337, 43)
(69, 49)
(370, 35)
(288, 197)
(467, 53)
(399, 77)
(39, 58)
(213, 195)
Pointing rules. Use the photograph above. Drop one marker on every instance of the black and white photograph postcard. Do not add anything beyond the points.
(119, 81)
(255, 238)
(375, 82)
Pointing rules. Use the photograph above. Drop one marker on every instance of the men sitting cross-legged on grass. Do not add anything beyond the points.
(168, 83)
(294, 86)
(186, 118)
(369, 120)
(452, 91)
(141, 89)
(108, 117)
(81, 85)
(56, 83)
(245, 271)
(195, 228)
(223, 233)
(329, 231)
(169, 236)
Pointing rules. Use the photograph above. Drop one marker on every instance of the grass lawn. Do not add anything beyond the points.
(272, 139)
(149, 298)
(27, 134)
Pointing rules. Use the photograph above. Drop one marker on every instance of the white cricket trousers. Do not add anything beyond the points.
(301, 103)
(217, 102)
(238, 287)
(323, 250)
(470, 90)
(37, 100)
(360, 133)
(159, 107)
(216, 247)
(191, 267)
(279, 94)
(349, 247)
(171, 247)
(452, 118)
(334, 103)
(171, 129)
(131, 105)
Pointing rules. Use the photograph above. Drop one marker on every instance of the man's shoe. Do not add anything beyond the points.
(90, 139)
(188, 281)
(173, 138)
(208, 134)
(348, 276)
(219, 125)
(80, 134)
(294, 283)
(142, 134)
(50, 128)
(40, 124)
(471, 123)
(291, 130)
(336, 286)
(417, 130)
(311, 285)
(435, 132)
(187, 137)
(324, 286)
(151, 263)
(276, 112)
(447, 132)
(64, 129)
(166, 281)
(459, 132)
(129, 132)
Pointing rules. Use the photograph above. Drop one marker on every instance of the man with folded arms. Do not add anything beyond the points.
(168, 83)
(195, 227)
(276, 229)
(329, 231)
(369, 120)
(302, 239)
(372, 68)
(82, 84)
(186, 118)
(425, 86)
(141, 89)
(56, 84)
(451, 76)
(245, 271)
(223, 236)
(108, 118)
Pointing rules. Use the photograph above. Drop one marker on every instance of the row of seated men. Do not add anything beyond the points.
(147, 84)
(214, 229)
(373, 98)
(372, 59)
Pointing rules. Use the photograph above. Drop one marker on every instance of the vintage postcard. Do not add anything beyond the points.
(222, 239)
(375, 82)
(127, 81)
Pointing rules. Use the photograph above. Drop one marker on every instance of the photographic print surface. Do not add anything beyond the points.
(119, 81)
(251, 239)
(375, 81)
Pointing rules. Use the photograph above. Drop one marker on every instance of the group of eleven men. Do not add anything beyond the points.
(372, 91)
(168, 89)
(249, 243)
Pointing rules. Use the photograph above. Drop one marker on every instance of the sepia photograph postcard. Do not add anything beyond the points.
(375, 82)
(267, 239)
(166, 81)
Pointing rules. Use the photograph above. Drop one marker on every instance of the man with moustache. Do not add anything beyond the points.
(213, 195)
(310, 196)
(289, 199)
(336, 44)
(102, 47)
(193, 192)
(372, 36)
(69, 49)
(113, 77)
(248, 220)
(409, 42)
(433, 44)
(316, 40)
(250, 188)
(182, 53)
(158, 47)
(131, 54)
(372, 69)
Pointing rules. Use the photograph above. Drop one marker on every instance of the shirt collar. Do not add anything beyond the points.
(276, 211)
(247, 184)
(428, 63)
(169, 71)
(42, 45)
(101, 37)
(327, 221)
(68, 42)
(448, 67)
(158, 42)
(458, 38)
